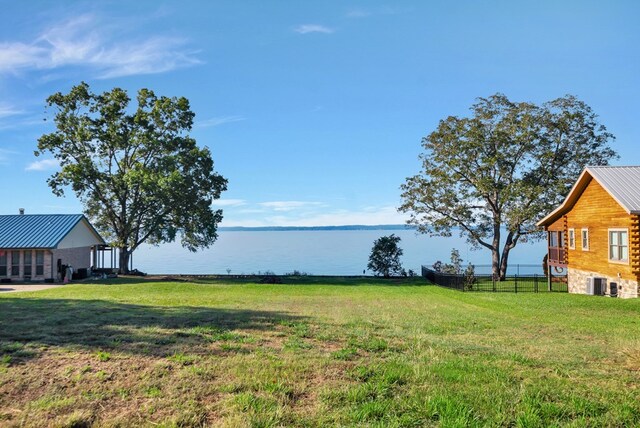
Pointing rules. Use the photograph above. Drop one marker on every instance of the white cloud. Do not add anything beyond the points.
(83, 42)
(289, 205)
(358, 13)
(7, 110)
(229, 202)
(43, 165)
(366, 216)
(313, 28)
(296, 213)
(217, 121)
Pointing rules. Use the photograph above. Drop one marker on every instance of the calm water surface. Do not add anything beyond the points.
(318, 252)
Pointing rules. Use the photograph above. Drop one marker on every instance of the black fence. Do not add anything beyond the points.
(514, 283)
(518, 269)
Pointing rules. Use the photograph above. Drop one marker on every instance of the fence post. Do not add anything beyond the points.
(535, 281)
(493, 280)
(516, 283)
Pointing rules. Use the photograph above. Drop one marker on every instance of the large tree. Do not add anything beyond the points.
(138, 173)
(491, 175)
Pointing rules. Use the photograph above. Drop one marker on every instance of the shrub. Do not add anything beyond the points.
(385, 256)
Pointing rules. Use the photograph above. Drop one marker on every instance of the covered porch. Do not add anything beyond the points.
(557, 249)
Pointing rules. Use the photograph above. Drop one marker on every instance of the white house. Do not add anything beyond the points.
(35, 247)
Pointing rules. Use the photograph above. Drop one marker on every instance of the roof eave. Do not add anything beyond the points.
(581, 184)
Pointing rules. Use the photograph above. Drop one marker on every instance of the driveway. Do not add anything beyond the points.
(12, 288)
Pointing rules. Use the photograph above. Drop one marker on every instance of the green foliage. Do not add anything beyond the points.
(385, 256)
(139, 175)
(182, 358)
(502, 168)
(103, 356)
(455, 268)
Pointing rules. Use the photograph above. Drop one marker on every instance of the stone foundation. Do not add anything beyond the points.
(577, 283)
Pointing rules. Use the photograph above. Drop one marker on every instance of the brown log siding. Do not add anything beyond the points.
(598, 212)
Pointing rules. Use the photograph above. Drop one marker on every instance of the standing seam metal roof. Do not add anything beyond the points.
(36, 230)
(622, 182)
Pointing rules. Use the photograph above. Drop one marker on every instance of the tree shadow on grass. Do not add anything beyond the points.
(27, 325)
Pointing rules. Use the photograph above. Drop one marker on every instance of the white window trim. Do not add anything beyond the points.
(582, 240)
(618, 229)
(572, 234)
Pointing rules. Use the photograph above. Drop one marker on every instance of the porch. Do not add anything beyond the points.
(557, 249)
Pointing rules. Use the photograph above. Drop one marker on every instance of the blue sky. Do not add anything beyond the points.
(314, 111)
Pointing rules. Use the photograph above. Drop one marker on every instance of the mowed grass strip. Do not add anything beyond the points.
(315, 352)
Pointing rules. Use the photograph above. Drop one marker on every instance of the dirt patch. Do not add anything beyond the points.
(13, 288)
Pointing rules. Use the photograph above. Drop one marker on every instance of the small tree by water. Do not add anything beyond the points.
(455, 268)
(385, 256)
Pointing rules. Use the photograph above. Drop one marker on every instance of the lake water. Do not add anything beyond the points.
(317, 252)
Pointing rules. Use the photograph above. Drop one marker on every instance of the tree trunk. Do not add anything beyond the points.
(504, 262)
(495, 253)
(510, 243)
(123, 266)
(495, 263)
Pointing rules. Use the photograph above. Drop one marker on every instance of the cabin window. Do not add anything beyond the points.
(15, 263)
(572, 239)
(585, 239)
(3, 263)
(39, 262)
(619, 245)
(556, 239)
(27, 263)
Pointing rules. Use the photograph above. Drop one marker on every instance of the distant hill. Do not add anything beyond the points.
(295, 228)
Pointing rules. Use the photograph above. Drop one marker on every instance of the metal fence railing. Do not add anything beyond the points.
(514, 283)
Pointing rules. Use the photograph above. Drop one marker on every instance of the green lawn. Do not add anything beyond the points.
(315, 352)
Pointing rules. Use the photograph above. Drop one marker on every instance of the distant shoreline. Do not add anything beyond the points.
(321, 228)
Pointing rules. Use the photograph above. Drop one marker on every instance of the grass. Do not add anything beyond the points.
(315, 352)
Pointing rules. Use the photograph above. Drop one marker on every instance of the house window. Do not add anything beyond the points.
(3, 263)
(15, 263)
(556, 239)
(572, 239)
(39, 262)
(585, 239)
(619, 245)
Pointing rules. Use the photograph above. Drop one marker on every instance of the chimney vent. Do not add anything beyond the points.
(21, 210)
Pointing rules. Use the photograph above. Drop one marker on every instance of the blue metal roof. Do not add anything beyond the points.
(36, 230)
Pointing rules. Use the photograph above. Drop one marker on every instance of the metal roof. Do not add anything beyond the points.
(621, 182)
(37, 230)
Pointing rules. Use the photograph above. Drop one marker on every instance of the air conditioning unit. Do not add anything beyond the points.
(613, 289)
(596, 286)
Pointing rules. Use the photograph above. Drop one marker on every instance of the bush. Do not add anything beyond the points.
(455, 268)
(385, 256)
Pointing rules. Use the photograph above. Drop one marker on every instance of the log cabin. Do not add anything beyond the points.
(36, 247)
(595, 233)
